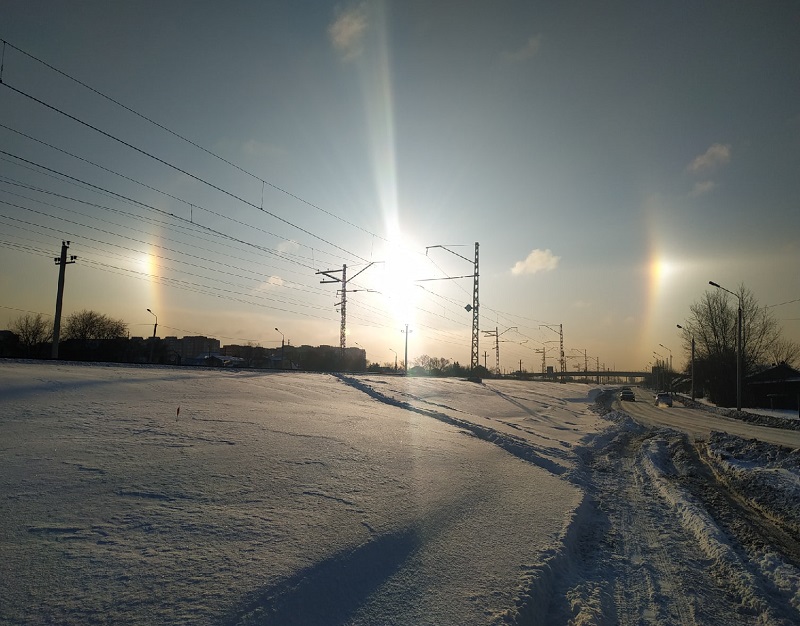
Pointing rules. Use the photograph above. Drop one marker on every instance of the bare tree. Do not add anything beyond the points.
(86, 325)
(712, 324)
(31, 330)
(786, 351)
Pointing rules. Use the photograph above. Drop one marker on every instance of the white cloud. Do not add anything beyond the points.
(537, 261)
(272, 281)
(717, 154)
(702, 187)
(527, 51)
(288, 246)
(347, 31)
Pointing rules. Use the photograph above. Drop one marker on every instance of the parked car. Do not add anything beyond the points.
(627, 395)
(663, 398)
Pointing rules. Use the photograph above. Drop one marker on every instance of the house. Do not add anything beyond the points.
(777, 387)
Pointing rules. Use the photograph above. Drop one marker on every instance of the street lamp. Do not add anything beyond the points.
(738, 344)
(681, 327)
(670, 355)
(407, 332)
(155, 326)
(660, 369)
(282, 342)
(395, 359)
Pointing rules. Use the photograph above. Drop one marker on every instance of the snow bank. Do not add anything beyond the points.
(767, 475)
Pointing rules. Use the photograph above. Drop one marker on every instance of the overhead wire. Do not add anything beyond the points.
(175, 167)
(185, 139)
(187, 173)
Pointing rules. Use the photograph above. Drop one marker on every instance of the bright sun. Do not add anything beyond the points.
(402, 268)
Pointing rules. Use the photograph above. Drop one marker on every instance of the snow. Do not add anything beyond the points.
(290, 497)
(294, 498)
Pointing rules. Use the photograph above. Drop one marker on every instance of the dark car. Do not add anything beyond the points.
(627, 395)
(663, 398)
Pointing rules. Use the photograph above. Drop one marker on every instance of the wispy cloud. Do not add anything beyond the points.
(272, 281)
(288, 246)
(702, 187)
(527, 51)
(717, 154)
(347, 31)
(536, 261)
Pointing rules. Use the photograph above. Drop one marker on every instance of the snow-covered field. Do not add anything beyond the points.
(274, 498)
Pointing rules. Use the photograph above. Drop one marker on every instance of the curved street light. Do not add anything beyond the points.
(738, 344)
(395, 359)
(282, 342)
(155, 326)
(670, 355)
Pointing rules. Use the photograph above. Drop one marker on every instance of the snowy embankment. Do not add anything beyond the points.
(283, 498)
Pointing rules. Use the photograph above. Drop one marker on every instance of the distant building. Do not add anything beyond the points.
(189, 348)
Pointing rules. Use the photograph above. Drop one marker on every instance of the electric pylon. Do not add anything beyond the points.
(343, 302)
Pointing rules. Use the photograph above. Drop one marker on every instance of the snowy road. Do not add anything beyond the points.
(701, 424)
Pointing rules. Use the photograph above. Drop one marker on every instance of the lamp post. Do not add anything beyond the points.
(395, 359)
(669, 371)
(681, 327)
(660, 368)
(282, 342)
(406, 331)
(670, 355)
(155, 326)
(738, 344)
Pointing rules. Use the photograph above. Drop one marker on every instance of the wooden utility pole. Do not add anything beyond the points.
(62, 263)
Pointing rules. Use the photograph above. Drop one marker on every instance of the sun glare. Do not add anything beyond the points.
(402, 268)
(660, 270)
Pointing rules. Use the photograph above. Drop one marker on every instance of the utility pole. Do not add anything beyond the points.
(474, 352)
(496, 334)
(475, 316)
(343, 302)
(405, 364)
(62, 263)
(562, 362)
(485, 356)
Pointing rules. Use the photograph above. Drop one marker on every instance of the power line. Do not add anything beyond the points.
(182, 138)
(176, 168)
(135, 181)
(147, 206)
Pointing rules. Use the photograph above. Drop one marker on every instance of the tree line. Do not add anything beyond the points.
(712, 324)
(35, 332)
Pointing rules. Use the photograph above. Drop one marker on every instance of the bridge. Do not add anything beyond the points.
(595, 376)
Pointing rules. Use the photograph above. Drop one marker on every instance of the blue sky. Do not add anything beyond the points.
(610, 160)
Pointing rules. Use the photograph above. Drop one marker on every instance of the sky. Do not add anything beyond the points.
(206, 162)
